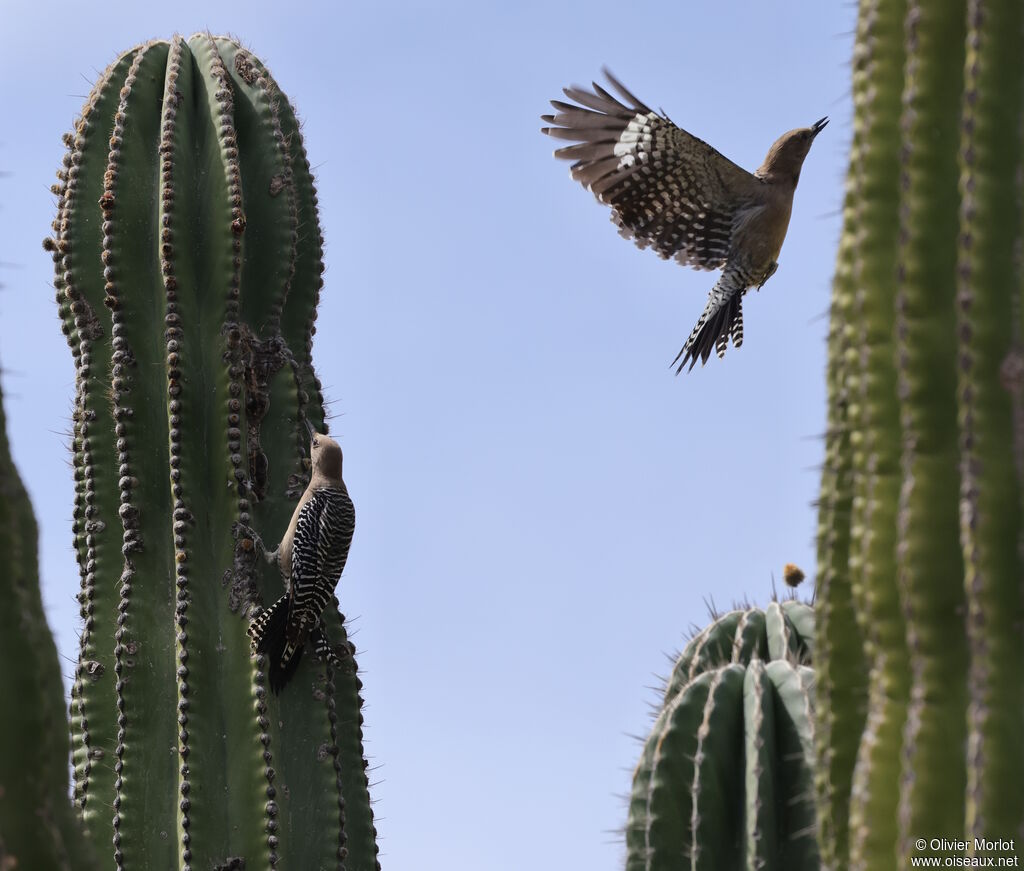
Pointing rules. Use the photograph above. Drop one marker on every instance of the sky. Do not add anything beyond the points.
(544, 508)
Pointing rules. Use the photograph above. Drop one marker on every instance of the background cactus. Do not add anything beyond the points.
(725, 777)
(924, 445)
(188, 262)
(38, 828)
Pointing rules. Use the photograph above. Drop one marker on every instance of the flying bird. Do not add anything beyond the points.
(670, 191)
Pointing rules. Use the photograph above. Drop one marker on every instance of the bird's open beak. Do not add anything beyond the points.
(819, 125)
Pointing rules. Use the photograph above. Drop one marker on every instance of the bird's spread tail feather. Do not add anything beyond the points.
(269, 634)
(721, 320)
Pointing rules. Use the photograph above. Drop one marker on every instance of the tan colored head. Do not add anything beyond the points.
(786, 156)
(324, 454)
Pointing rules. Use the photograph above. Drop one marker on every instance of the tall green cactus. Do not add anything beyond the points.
(926, 327)
(188, 264)
(991, 412)
(37, 826)
(725, 777)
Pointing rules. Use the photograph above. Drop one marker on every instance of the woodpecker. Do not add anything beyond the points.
(311, 557)
(670, 191)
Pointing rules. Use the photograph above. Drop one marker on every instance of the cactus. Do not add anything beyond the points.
(860, 620)
(37, 826)
(725, 777)
(188, 264)
(925, 442)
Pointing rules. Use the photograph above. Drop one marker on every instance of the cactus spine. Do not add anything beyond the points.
(932, 346)
(188, 262)
(725, 777)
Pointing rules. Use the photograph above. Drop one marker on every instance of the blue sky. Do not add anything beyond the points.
(543, 507)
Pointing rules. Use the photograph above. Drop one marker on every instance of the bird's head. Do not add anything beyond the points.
(786, 156)
(324, 454)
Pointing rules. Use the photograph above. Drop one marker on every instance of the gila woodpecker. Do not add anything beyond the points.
(311, 557)
(669, 190)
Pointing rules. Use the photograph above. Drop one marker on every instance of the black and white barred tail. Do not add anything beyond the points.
(721, 320)
(269, 634)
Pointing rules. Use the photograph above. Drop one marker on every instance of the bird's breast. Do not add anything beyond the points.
(760, 233)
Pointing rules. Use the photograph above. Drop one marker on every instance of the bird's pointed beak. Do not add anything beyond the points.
(819, 125)
(309, 428)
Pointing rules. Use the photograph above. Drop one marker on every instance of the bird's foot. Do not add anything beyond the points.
(322, 648)
(771, 271)
(245, 532)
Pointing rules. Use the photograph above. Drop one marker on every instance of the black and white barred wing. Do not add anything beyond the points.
(323, 534)
(668, 190)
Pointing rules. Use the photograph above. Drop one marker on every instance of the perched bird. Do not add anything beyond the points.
(672, 192)
(311, 557)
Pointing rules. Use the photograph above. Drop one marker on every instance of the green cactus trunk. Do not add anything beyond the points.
(188, 260)
(725, 777)
(38, 828)
(991, 404)
(925, 344)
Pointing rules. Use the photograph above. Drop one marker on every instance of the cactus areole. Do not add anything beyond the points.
(188, 270)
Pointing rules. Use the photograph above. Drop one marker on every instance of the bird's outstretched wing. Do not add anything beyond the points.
(668, 190)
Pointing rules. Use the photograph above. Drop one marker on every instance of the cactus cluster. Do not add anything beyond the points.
(921, 604)
(188, 270)
(725, 778)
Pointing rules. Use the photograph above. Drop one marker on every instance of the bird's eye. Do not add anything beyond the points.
(316, 443)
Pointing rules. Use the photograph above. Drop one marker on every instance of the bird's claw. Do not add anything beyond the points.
(771, 271)
(243, 531)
